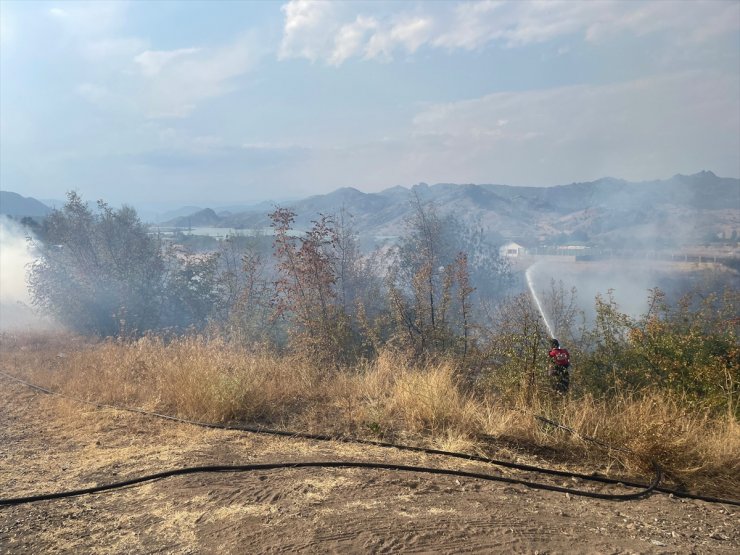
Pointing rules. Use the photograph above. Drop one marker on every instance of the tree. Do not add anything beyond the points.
(464, 290)
(691, 347)
(246, 290)
(430, 284)
(607, 364)
(347, 261)
(416, 280)
(306, 288)
(516, 348)
(99, 272)
(566, 318)
(191, 296)
(490, 271)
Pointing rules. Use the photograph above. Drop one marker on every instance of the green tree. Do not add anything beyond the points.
(607, 363)
(691, 347)
(516, 349)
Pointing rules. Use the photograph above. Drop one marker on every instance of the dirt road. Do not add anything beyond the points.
(50, 444)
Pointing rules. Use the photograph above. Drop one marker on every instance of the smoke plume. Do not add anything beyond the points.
(16, 255)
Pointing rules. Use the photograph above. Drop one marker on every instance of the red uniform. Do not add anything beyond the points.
(560, 357)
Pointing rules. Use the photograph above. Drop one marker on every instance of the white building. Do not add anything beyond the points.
(512, 250)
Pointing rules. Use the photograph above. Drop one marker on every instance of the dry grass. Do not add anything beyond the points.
(691, 447)
(211, 380)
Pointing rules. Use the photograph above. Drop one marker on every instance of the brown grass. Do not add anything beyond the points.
(690, 446)
(390, 397)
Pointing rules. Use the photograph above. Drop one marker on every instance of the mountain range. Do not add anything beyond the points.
(683, 209)
(678, 210)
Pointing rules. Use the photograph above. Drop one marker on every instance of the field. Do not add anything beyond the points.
(51, 444)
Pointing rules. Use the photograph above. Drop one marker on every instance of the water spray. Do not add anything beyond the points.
(532, 290)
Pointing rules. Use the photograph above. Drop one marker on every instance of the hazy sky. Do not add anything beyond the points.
(220, 102)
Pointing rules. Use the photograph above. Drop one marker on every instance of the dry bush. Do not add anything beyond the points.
(429, 400)
(391, 396)
(396, 396)
(501, 421)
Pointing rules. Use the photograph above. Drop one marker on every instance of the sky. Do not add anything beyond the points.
(211, 103)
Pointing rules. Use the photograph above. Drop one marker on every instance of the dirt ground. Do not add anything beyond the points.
(51, 444)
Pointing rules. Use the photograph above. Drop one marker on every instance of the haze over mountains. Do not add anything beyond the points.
(684, 208)
(670, 212)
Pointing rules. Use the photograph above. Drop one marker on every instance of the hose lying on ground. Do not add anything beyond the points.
(646, 489)
(318, 464)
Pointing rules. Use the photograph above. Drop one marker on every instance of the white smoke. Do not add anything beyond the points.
(628, 282)
(16, 256)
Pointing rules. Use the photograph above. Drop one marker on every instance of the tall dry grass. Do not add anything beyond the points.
(690, 446)
(389, 397)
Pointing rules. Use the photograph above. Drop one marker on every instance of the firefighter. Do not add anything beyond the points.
(559, 367)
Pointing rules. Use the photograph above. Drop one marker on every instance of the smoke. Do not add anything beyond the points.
(16, 256)
(628, 281)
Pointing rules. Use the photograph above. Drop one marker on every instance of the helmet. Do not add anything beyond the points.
(554, 343)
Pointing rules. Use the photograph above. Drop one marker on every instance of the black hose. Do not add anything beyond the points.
(646, 488)
(317, 464)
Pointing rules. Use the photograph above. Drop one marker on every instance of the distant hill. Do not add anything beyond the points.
(17, 206)
(201, 218)
(683, 208)
(179, 213)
